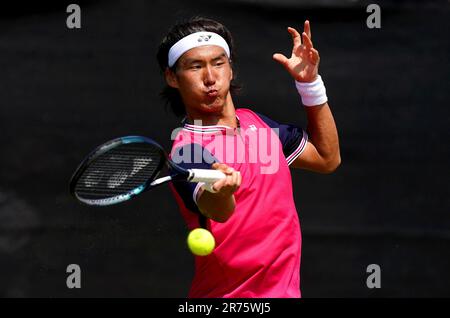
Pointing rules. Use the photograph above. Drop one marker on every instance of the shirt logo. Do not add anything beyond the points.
(252, 127)
(204, 38)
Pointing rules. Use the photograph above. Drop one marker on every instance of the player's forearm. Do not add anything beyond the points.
(323, 135)
(216, 206)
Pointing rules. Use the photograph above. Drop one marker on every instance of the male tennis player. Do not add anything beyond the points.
(251, 212)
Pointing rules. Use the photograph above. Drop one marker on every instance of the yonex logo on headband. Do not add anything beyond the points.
(202, 38)
(195, 40)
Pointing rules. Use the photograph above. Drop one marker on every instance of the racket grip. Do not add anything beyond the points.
(205, 175)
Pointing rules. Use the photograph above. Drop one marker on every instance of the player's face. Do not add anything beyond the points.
(203, 78)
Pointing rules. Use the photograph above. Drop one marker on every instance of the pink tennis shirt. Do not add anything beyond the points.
(258, 248)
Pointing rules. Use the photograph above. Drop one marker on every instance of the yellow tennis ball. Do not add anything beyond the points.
(201, 242)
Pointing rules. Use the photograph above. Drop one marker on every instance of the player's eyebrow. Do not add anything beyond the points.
(219, 57)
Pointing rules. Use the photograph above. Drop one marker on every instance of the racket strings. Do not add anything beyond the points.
(119, 171)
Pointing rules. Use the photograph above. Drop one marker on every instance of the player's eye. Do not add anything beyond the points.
(195, 67)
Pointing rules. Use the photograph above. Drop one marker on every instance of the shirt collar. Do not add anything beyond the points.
(208, 129)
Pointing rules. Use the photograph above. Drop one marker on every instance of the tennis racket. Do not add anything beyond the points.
(123, 168)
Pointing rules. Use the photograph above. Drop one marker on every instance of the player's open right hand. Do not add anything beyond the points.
(303, 65)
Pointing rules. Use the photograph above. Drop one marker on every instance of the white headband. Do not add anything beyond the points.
(195, 40)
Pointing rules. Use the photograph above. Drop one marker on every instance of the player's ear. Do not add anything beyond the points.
(171, 78)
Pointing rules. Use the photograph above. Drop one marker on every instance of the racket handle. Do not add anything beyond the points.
(205, 175)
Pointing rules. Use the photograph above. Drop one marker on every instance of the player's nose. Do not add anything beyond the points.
(209, 77)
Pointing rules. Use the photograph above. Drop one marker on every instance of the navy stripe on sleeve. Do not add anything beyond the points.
(292, 137)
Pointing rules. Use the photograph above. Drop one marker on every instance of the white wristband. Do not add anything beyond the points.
(313, 93)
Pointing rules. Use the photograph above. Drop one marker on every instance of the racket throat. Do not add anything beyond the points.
(161, 181)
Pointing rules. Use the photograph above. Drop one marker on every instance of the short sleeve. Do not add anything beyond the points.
(191, 156)
(293, 138)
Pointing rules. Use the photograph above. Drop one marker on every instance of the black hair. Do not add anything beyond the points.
(176, 33)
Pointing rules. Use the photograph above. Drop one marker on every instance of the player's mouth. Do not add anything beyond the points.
(213, 93)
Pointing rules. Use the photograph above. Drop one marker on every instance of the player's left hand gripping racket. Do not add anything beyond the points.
(124, 167)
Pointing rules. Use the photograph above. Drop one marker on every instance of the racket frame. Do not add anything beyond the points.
(181, 174)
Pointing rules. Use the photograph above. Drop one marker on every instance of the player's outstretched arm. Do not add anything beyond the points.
(322, 152)
(219, 206)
